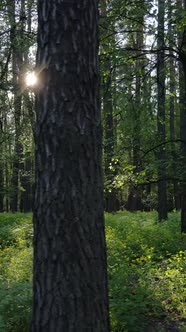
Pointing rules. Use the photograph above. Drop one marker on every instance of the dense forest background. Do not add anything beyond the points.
(143, 101)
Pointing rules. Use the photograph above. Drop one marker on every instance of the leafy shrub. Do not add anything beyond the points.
(14, 228)
(15, 307)
(146, 267)
(147, 271)
(15, 272)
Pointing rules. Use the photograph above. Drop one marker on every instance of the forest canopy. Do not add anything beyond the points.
(142, 71)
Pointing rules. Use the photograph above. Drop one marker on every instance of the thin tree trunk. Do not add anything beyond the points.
(172, 88)
(162, 185)
(183, 146)
(26, 182)
(1, 165)
(6, 166)
(1, 187)
(182, 86)
(109, 137)
(16, 67)
(134, 202)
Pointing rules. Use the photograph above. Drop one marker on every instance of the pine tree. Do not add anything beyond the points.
(70, 283)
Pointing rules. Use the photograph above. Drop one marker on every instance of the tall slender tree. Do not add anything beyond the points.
(172, 104)
(16, 31)
(70, 283)
(134, 198)
(182, 81)
(107, 43)
(1, 183)
(162, 186)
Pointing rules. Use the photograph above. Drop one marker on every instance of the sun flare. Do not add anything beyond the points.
(31, 79)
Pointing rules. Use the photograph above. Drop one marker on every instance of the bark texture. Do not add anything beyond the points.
(70, 282)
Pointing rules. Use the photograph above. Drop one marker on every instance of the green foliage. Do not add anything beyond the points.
(15, 307)
(15, 272)
(15, 228)
(147, 272)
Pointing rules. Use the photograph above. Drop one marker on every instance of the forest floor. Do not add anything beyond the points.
(146, 267)
(147, 272)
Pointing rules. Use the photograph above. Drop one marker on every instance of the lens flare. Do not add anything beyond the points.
(31, 79)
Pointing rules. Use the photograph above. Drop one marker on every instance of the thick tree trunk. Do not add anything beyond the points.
(70, 282)
(162, 185)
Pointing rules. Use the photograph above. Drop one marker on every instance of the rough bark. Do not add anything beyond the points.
(70, 283)
(162, 185)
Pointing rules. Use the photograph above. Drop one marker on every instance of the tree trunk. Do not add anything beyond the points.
(172, 89)
(70, 282)
(1, 187)
(109, 137)
(26, 182)
(134, 201)
(183, 150)
(16, 72)
(7, 147)
(162, 185)
(182, 87)
(1, 166)
(183, 145)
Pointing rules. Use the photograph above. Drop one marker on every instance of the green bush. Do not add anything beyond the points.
(147, 271)
(15, 307)
(15, 228)
(146, 268)
(15, 272)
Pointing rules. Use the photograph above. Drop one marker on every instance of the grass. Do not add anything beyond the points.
(146, 266)
(15, 272)
(147, 272)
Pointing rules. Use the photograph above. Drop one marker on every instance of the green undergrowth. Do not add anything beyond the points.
(147, 272)
(15, 272)
(146, 266)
